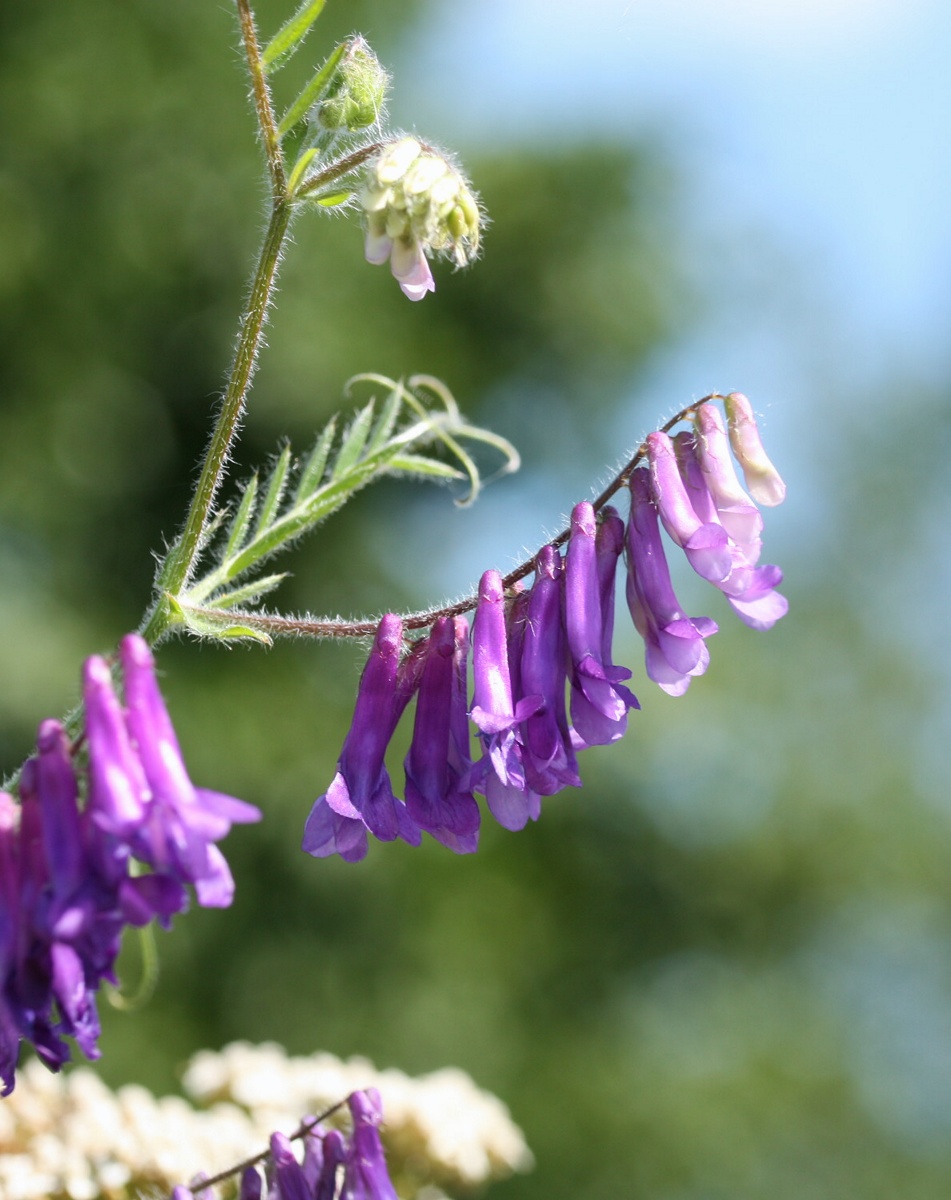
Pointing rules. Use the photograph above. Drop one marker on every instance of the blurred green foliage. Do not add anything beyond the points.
(723, 969)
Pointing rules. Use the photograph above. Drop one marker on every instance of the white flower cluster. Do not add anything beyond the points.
(418, 203)
(68, 1137)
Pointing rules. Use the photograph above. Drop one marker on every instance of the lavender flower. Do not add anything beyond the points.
(360, 796)
(182, 821)
(365, 1173)
(548, 754)
(289, 1179)
(674, 643)
(599, 700)
(438, 760)
(704, 542)
(66, 888)
(499, 774)
(750, 589)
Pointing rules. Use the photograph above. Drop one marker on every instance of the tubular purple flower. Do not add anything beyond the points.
(599, 701)
(674, 643)
(57, 793)
(438, 759)
(704, 542)
(365, 1173)
(251, 1187)
(288, 1173)
(762, 478)
(334, 1156)
(181, 821)
(360, 796)
(118, 793)
(748, 588)
(499, 774)
(738, 514)
(548, 755)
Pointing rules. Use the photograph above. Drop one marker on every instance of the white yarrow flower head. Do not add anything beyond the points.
(418, 204)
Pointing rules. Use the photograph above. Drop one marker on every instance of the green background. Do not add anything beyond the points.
(720, 970)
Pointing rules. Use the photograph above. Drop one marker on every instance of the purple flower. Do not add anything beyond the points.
(704, 542)
(499, 774)
(438, 760)
(181, 821)
(289, 1178)
(674, 642)
(360, 797)
(250, 1188)
(408, 262)
(599, 700)
(334, 1155)
(365, 1173)
(547, 752)
(750, 589)
(738, 515)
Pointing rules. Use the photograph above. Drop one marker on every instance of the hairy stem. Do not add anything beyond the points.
(181, 559)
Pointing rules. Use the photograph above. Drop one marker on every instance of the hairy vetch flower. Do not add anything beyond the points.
(360, 796)
(500, 773)
(417, 204)
(67, 884)
(674, 643)
(531, 647)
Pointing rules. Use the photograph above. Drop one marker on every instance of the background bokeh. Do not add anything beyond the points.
(723, 969)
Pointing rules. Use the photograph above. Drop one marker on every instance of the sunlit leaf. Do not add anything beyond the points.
(312, 92)
(291, 34)
(353, 442)
(312, 472)
(275, 490)
(242, 518)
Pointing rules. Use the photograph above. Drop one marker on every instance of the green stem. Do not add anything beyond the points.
(181, 559)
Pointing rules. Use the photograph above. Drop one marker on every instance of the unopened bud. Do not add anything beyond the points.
(357, 92)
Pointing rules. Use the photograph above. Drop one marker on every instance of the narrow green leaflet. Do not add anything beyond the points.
(241, 524)
(354, 441)
(275, 490)
(313, 91)
(312, 471)
(291, 34)
(388, 437)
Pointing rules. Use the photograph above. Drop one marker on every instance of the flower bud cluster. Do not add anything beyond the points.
(545, 686)
(356, 96)
(71, 875)
(417, 203)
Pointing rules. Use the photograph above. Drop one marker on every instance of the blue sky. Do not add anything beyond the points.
(825, 120)
(816, 128)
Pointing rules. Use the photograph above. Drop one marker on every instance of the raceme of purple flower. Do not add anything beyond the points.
(334, 1166)
(532, 649)
(71, 874)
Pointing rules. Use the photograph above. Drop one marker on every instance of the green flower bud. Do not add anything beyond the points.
(358, 90)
